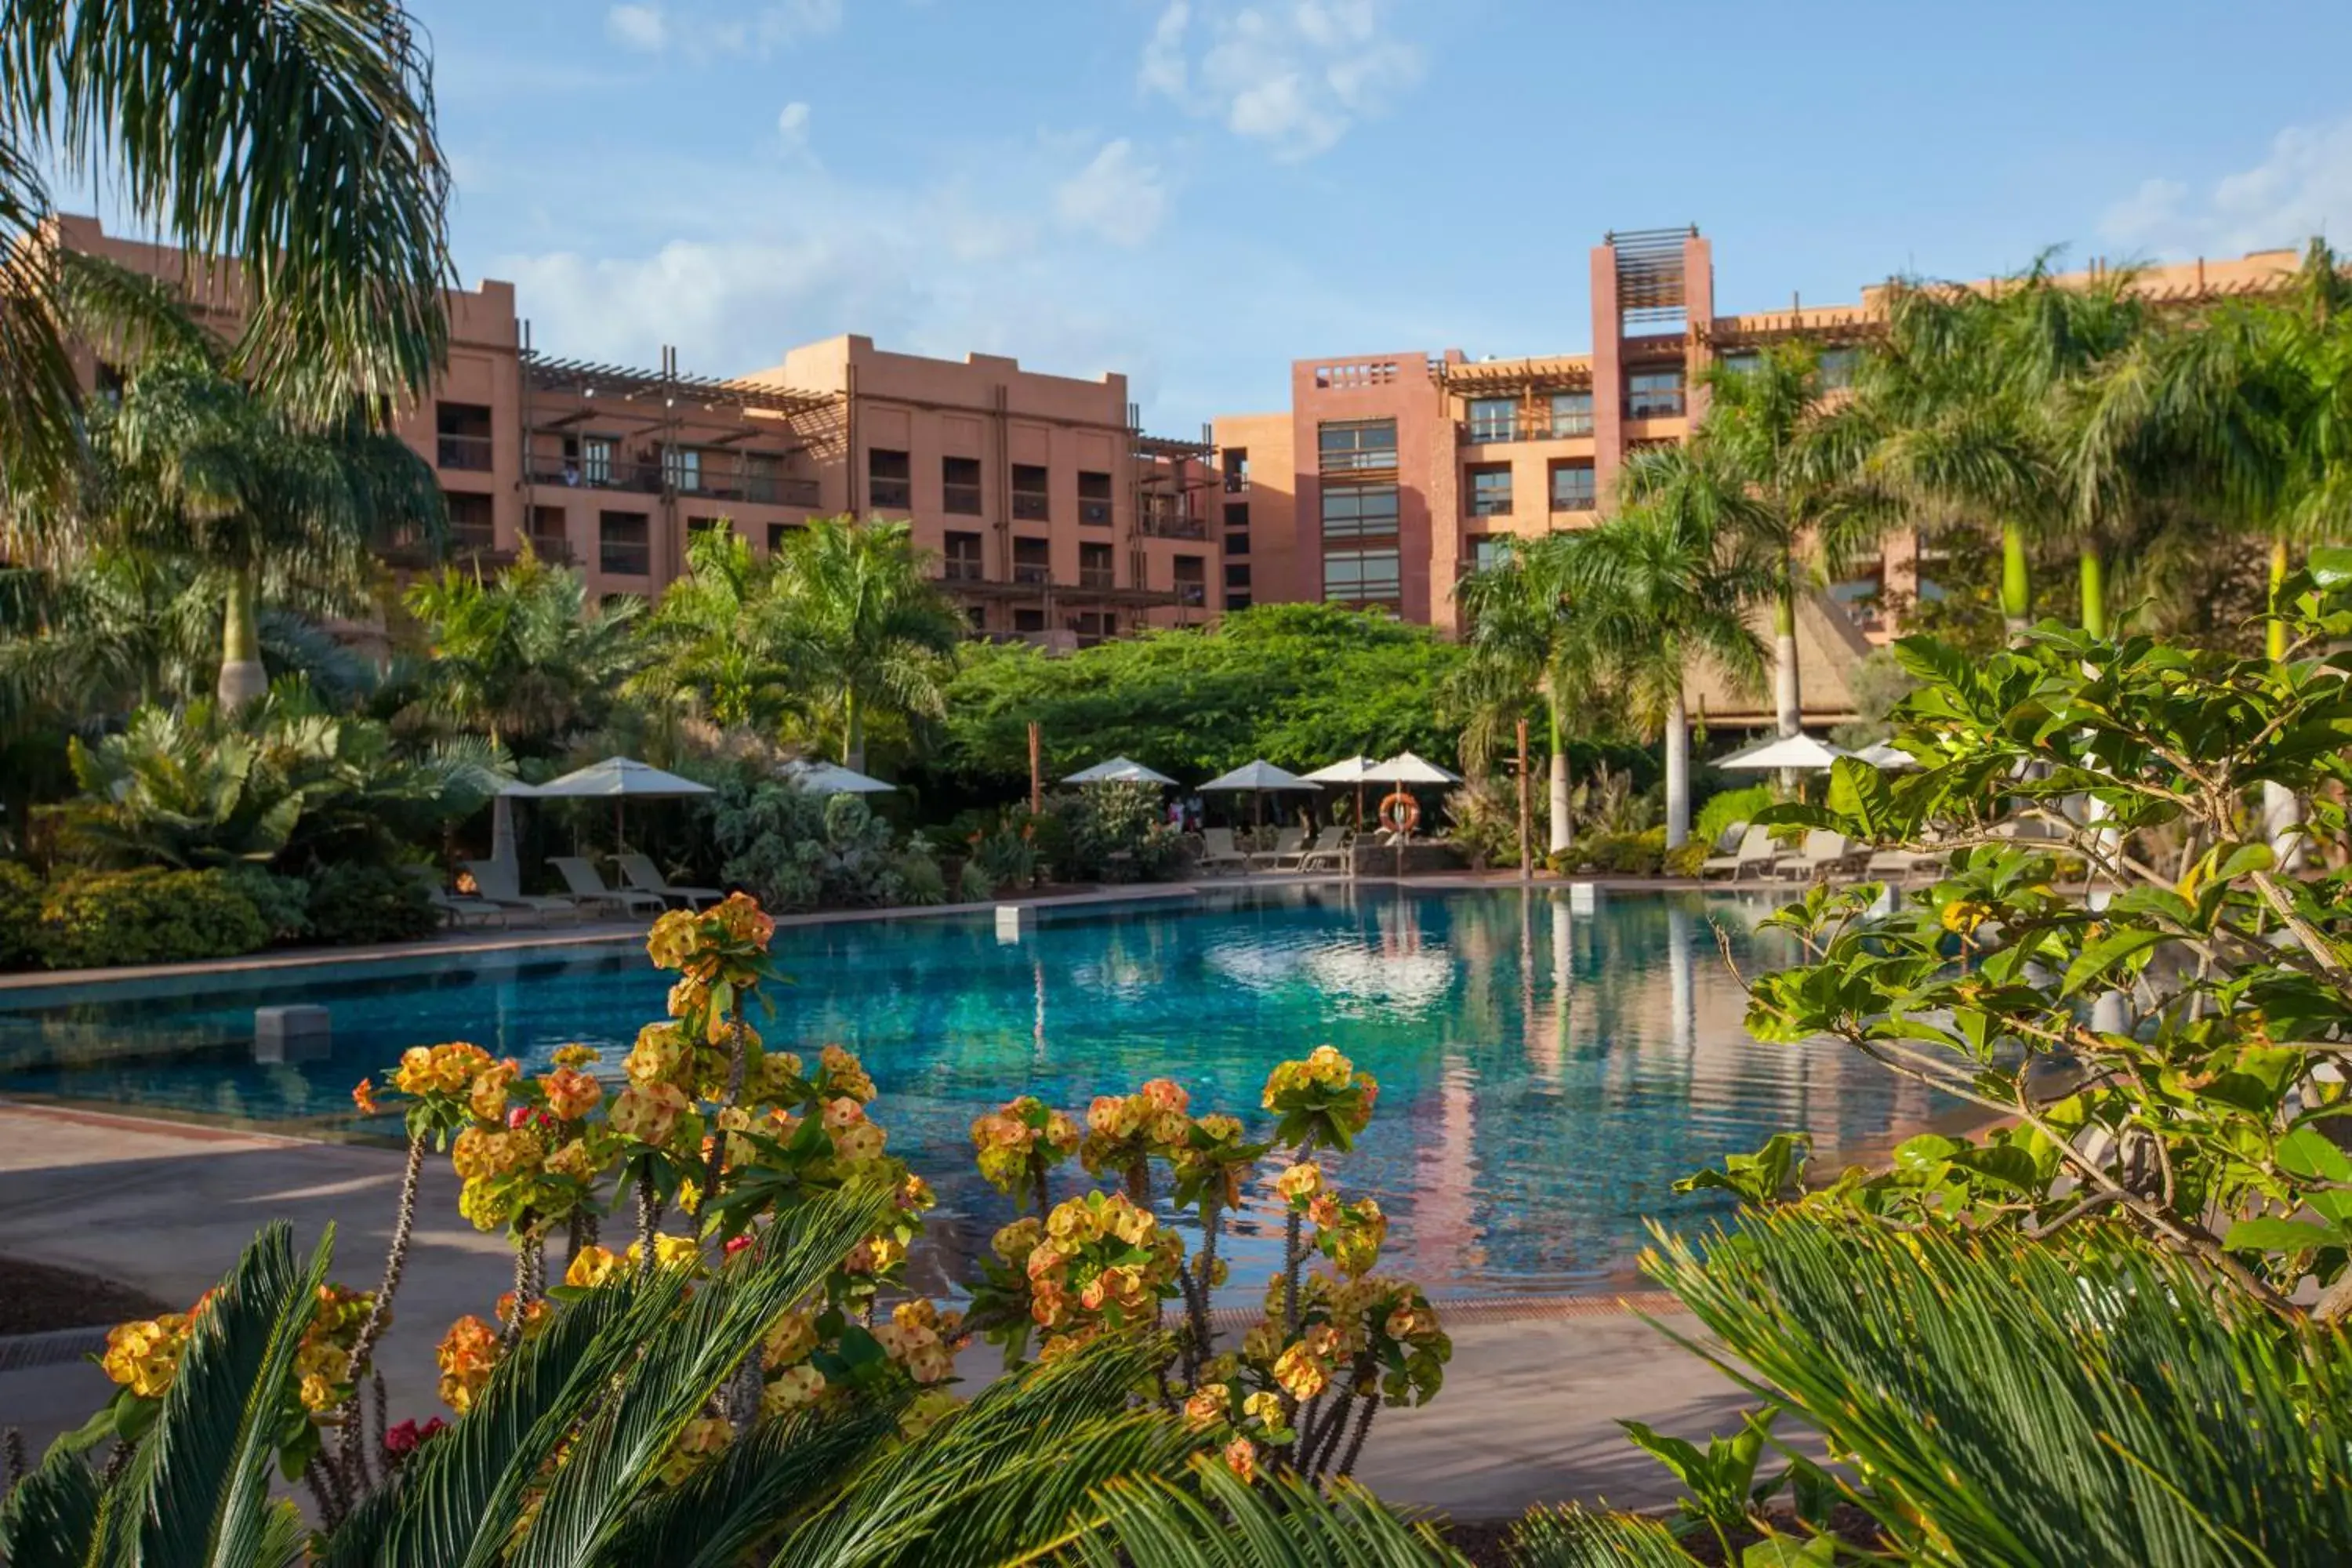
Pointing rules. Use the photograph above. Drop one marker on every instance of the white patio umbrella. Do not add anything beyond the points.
(618, 778)
(1118, 770)
(1353, 770)
(1799, 751)
(832, 778)
(1405, 769)
(503, 834)
(1259, 779)
(1884, 754)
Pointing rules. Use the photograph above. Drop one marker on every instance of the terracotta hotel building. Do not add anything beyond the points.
(1053, 517)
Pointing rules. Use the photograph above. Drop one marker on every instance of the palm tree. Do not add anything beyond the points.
(864, 621)
(1972, 392)
(298, 134)
(1803, 495)
(1525, 636)
(526, 657)
(190, 465)
(1667, 581)
(720, 638)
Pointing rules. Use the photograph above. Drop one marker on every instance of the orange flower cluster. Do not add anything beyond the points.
(1122, 1130)
(1020, 1140)
(446, 1070)
(923, 1338)
(1100, 1257)
(144, 1356)
(466, 1356)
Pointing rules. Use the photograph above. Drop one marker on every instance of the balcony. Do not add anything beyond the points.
(641, 478)
(1098, 577)
(1097, 512)
(1192, 594)
(955, 570)
(1535, 427)
(554, 549)
(1236, 481)
(962, 499)
(1030, 506)
(470, 453)
(1661, 404)
(1166, 523)
(1360, 460)
(760, 490)
(1036, 572)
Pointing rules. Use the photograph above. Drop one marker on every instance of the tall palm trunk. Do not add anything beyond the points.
(2282, 810)
(853, 731)
(2094, 573)
(1563, 832)
(1678, 805)
(242, 677)
(1788, 698)
(2016, 589)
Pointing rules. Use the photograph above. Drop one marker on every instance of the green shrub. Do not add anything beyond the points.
(97, 919)
(283, 902)
(369, 903)
(20, 916)
(1684, 861)
(1721, 810)
(1112, 833)
(920, 881)
(1613, 854)
(794, 850)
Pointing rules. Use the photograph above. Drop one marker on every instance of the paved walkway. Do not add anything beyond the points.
(1526, 1413)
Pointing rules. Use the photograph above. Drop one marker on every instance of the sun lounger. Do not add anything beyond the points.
(1331, 847)
(495, 882)
(455, 909)
(1217, 851)
(1899, 865)
(1822, 853)
(1753, 850)
(640, 872)
(1288, 845)
(588, 889)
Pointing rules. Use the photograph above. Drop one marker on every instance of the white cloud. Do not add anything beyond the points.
(792, 123)
(641, 27)
(2303, 188)
(1295, 74)
(1117, 196)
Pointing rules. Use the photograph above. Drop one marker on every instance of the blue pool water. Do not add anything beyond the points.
(1544, 1075)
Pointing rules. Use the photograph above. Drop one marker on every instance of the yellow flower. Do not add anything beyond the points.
(593, 1265)
(144, 1356)
(1264, 1408)
(487, 1097)
(1962, 916)
(842, 1112)
(577, 1056)
(446, 1070)
(466, 1354)
(570, 1093)
(1303, 1180)
(792, 1388)
(1301, 1372)
(317, 1393)
(1165, 1094)
(1207, 1405)
(669, 1252)
(363, 1097)
(660, 1052)
(845, 1074)
(701, 1441)
(929, 1409)
(1241, 1457)
(648, 1112)
(1062, 1131)
(1016, 1242)
(791, 1339)
(862, 1142)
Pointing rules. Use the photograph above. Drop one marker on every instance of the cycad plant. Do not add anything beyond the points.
(297, 134)
(1667, 582)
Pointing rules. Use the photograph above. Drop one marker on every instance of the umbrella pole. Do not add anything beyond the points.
(616, 824)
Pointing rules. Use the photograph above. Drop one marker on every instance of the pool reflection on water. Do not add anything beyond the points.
(1544, 1075)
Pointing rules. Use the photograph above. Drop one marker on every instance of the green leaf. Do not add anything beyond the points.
(2269, 1234)
(2104, 954)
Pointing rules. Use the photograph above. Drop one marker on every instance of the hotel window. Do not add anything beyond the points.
(1838, 367)
(1094, 498)
(596, 460)
(1236, 543)
(1236, 469)
(471, 528)
(961, 564)
(682, 467)
(1362, 445)
(759, 475)
(1029, 482)
(1489, 551)
(1237, 514)
(464, 431)
(1490, 491)
(1571, 413)
(975, 618)
(1033, 561)
(1095, 568)
(1742, 362)
(779, 533)
(1192, 580)
(697, 526)
(1028, 620)
(1653, 395)
(551, 534)
(1361, 576)
(1237, 575)
(889, 480)
(624, 544)
(1357, 512)
(1494, 418)
(1572, 486)
(959, 485)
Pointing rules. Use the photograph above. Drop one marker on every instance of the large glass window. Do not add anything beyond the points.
(1094, 566)
(1490, 491)
(1359, 576)
(1654, 393)
(962, 563)
(1094, 498)
(1029, 489)
(1355, 512)
(1358, 446)
(1192, 580)
(959, 485)
(1033, 561)
(1838, 366)
(464, 429)
(1572, 486)
(1742, 362)
(1494, 418)
(889, 480)
(471, 528)
(624, 544)
(1571, 413)
(1236, 469)
(1489, 551)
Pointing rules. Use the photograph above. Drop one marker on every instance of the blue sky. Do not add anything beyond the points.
(1196, 191)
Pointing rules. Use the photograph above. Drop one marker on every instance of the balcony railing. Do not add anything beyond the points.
(955, 570)
(1654, 405)
(555, 549)
(1030, 506)
(1360, 460)
(1098, 577)
(471, 453)
(1191, 593)
(652, 479)
(1236, 481)
(962, 499)
(644, 478)
(897, 495)
(1535, 427)
(760, 489)
(1171, 525)
(1036, 572)
(1097, 512)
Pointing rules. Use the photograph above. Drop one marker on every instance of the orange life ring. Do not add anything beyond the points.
(1400, 811)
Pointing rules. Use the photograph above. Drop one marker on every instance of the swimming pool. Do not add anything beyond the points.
(1545, 1074)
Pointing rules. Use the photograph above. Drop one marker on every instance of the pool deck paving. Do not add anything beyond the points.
(1527, 1415)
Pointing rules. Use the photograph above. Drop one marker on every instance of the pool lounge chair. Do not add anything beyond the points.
(1822, 853)
(1899, 865)
(1288, 845)
(640, 872)
(1752, 850)
(1217, 851)
(1331, 847)
(455, 909)
(495, 883)
(588, 889)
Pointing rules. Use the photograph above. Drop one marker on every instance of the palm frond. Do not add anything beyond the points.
(1575, 1537)
(50, 1518)
(1219, 1522)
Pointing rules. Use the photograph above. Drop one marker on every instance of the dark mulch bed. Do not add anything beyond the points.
(1482, 1542)
(36, 1298)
